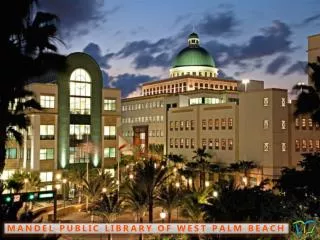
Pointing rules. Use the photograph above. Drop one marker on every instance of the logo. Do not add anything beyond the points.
(304, 229)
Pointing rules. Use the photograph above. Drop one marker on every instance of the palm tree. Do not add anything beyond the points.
(201, 158)
(169, 199)
(26, 44)
(243, 166)
(156, 151)
(192, 207)
(16, 181)
(308, 101)
(151, 177)
(76, 175)
(109, 208)
(34, 181)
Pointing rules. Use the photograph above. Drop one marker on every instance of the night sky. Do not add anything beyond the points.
(134, 40)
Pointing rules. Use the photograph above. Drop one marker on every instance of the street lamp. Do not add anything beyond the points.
(163, 215)
(131, 176)
(215, 194)
(64, 181)
(245, 82)
(104, 190)
(207, 183)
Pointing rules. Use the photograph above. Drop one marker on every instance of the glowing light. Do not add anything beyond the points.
(131, 176)
(64, 181)
(58, 176)
(215, 194)
(207, 184)
(177, 184)
(104, 190)
(163, 214)
(58, 186)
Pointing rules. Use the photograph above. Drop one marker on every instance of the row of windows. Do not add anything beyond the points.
(201, 74)
(266, 124)
(223, 144)
(45, 153)
(305, 123)
(150, 119)
(152, 133)
(266, 102)
(307, 145)
(139, 106)
(267, 146)
(205, 124)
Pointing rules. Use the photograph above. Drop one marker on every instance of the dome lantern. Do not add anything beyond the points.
(193, 40)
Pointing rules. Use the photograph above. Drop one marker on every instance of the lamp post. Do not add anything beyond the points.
(64, 181)
(245, 82)
(163, 215)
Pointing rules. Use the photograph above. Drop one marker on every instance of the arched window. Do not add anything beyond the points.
(80, 92)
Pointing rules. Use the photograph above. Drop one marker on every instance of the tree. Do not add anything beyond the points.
(16, 181)
(201, 158)
(151, 177)
(169, 199)
(34, 181)
(109, 208)
(308, 101)
(156, 151)
(27, 46)
(76, 175)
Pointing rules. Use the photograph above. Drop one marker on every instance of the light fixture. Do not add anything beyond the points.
(64, 181)
(163, 215)
(190, 181)
(131, 176)
(215, 194)
(177, 184)
(58, 176)
(58, 186)
(207, 183)
(26, 180)
(104, 190)
(245, 82)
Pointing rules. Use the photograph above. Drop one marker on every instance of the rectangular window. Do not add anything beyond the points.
(192, 143)
(223, 144)
(317, 125)
(46, 176)
(46, 132)
(47, 101)
(265, 124)
(216, 143)
(80, 105)
(283, 124)
(79, 132)
(216, 123)
(176, 142)
(204, 142)
(230, 144)
(223, 123)
(11, 153)
(210, 143)
(317, 145)
(304, 145)
(265, 102)
(171, 142)
(297, 123)
(283, 147)
(187, 124)
(110, 152)
(110, 132)
(181, 142)
(210, 124)
(283, 102)
(181, 125)
(266, 147)
(176, 125)
(230, 123)
(310, 123)
(46, 154)
(161, 133)
(310, 145)
(204, 124)
(303, 123)
(297, 145)
(171, 125)
(110, 104)
(192, 124)
(187, 142)
(195, 101)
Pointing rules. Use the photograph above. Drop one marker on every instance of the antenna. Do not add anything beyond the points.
(193, 28)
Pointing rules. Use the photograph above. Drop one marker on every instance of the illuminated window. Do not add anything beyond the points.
(187, 142)
(230, 144)
(266, 147)
(210, 143)
(47, 101)
(204, 124)
(310, 124)
(110, 152)
(317, 145)
(265, 124)
(297, 145)
(46, 153)
(6, 174)
(192, 124)
(283, 124)
(181, 142)
(211, 100)
(46, 176)
(317, 125)
(192, 143)
(216, 143)
(303, 123)
(181, 125)
(171, 142)
(171, 125)
(230, 123)
(223, 123)
(283, 147)
(46, 132)
(204, 142)
(176, 125)
(194, 101)
(297, 122)
(310, 145)
(79, 131)
(11, 153)
(223, 144)
(187, 124)
(283, 102)
(109, 132)
(110, 104)
(176, 142)
(216, 124)
(210, 124)
(161, 133)
(265, 101)
(304, 145)
(80, 92)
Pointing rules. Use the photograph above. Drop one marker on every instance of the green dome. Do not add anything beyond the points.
(193, 56)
